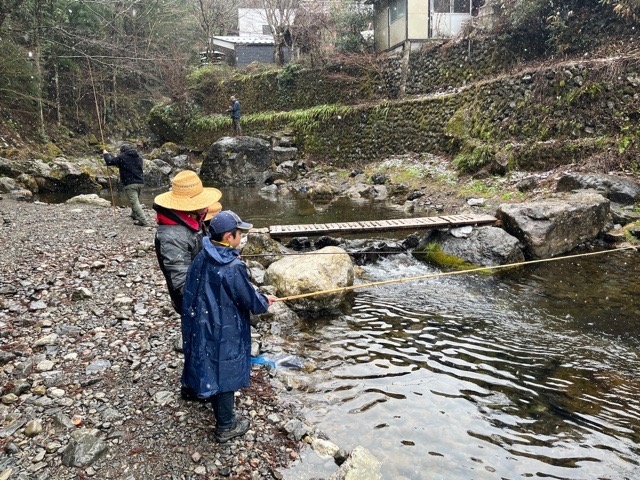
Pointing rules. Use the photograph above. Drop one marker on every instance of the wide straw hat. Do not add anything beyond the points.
(187, 193)
(212, 210)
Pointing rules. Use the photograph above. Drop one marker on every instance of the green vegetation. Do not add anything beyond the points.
(286, 83)
(589, 89)
(350, 19)
(302, 121)
(473, 158)
(478, 188)
(432, 253)
(629, 237)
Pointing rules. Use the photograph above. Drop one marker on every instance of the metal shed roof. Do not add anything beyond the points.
(246, 39)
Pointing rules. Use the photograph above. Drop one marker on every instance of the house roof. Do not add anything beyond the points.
(246, 39)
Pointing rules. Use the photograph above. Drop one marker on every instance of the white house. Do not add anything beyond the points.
(401, 22)
(254, 42)
(252, 22)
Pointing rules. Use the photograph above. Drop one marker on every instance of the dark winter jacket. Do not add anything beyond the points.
(234, 111)
(216, 333)
(177, 244)
(129, 163)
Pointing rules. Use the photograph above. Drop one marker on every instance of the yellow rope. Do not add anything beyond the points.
(444, 274)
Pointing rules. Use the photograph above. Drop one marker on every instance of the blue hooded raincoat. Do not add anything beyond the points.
(216, 333)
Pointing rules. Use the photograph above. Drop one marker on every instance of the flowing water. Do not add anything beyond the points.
(528, 374)
(525, 373)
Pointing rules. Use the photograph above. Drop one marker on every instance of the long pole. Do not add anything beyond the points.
(445, 274)
(95, 99)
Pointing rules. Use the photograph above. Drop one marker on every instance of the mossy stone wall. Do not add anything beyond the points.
(569, 107)
(294, 88)
(456, 64)
(464, 99)
(444, 65)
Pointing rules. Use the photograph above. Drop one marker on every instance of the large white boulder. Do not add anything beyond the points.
(327, 270)
(551, 227)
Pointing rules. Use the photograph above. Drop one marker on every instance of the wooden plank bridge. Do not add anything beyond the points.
(372, 226)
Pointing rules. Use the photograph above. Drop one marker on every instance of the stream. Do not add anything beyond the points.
(530, 372)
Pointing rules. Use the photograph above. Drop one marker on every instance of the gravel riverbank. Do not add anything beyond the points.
(88, 370)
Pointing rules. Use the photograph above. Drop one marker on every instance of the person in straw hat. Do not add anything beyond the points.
(180, 215)
(212, 210)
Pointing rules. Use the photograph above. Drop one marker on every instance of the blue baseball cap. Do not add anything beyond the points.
(225, 221)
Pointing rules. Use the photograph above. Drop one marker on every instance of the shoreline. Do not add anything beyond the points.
(86, 344)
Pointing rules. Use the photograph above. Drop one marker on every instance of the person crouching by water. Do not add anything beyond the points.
(216, 330)
(129, 163)
(180, 214)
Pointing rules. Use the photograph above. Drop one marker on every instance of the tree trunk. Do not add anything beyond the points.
(114, 95)
(277, 50)
(56, 81)
(37, 19)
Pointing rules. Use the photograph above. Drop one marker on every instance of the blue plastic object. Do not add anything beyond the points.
(260, 360)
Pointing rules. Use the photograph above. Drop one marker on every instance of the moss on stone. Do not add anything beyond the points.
(433, 254)
(51, 151)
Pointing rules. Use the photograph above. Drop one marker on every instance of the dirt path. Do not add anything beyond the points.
(86, 344)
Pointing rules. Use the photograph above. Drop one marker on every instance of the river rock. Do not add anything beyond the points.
(617, 189)
(50, 339)
(284, 154)
(84, 448)
(326, 269)
(286, 171)
(484, 246)
(21, 195)
(319, 191)
(624, 215)
(551, 227)
(361, 464)
(6, 357)
(8, 184)
(157, 173)
(360, 190)
(237, 161)
(91, 199)
(262, 249)
(324, 448)
(67, 176)
(33, 428)
(297, 429)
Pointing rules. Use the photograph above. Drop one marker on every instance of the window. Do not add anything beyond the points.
(452, 6)
(441, 6)
(397, 9)
(461, 6)
(266, 29)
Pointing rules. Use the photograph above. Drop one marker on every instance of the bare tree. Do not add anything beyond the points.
(280, 16)
(312, 33)
(215, 17)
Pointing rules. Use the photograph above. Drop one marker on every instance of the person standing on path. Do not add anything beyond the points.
(218, 302)
(129, 163)
(234, 111)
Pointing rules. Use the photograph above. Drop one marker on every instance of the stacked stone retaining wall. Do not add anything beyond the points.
(565, 111)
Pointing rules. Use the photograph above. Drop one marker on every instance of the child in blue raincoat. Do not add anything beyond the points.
(216, 333)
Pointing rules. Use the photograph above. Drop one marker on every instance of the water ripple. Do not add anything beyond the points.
(484, 377)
